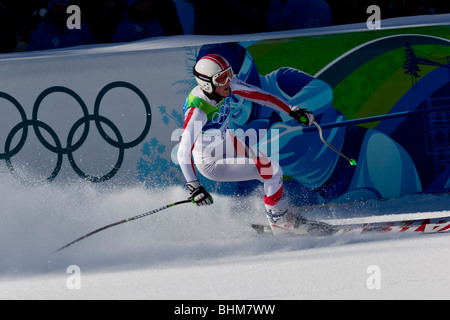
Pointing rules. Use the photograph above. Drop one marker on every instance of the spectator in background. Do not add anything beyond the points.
(167, 14)
(53, 32)
(104, 16)
(348, 11)
(298, 14)
(354, 11)
(8, 28)
(229, 17)
(140, 22)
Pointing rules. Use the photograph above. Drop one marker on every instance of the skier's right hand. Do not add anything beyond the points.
(199, 195)
(304, 116)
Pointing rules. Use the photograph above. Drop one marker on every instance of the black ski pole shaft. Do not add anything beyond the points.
(351, 161)
(389, 116)
(123, 221)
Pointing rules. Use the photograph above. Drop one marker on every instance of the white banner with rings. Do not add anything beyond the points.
(78, 114)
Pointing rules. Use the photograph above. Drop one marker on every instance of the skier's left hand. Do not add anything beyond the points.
(304, 116)
(199, 195)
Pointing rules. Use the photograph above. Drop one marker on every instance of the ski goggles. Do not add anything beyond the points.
(221, 78)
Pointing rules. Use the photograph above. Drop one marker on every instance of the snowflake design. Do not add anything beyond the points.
(154, 169)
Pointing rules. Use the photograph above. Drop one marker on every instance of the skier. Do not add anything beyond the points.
(221, 156)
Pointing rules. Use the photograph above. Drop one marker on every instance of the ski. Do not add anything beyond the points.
(430, 225)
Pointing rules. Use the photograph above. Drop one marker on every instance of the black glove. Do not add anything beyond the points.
(199, 195)
(304, 116)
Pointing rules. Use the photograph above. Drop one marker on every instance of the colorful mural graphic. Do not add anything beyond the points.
(381, 97)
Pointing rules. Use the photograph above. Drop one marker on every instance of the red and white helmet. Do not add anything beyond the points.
(212, 70)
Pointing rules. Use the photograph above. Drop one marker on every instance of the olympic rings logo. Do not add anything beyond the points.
(57, 147)
(222, 115)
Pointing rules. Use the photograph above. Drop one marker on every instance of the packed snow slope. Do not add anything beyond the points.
(187, 252)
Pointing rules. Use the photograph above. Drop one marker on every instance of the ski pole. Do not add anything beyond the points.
(390, 116)
(351, 161)
(124, 221)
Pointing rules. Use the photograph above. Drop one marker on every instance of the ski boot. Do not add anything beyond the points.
(285, 222)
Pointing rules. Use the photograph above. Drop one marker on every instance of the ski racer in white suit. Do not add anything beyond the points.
(217, 153)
